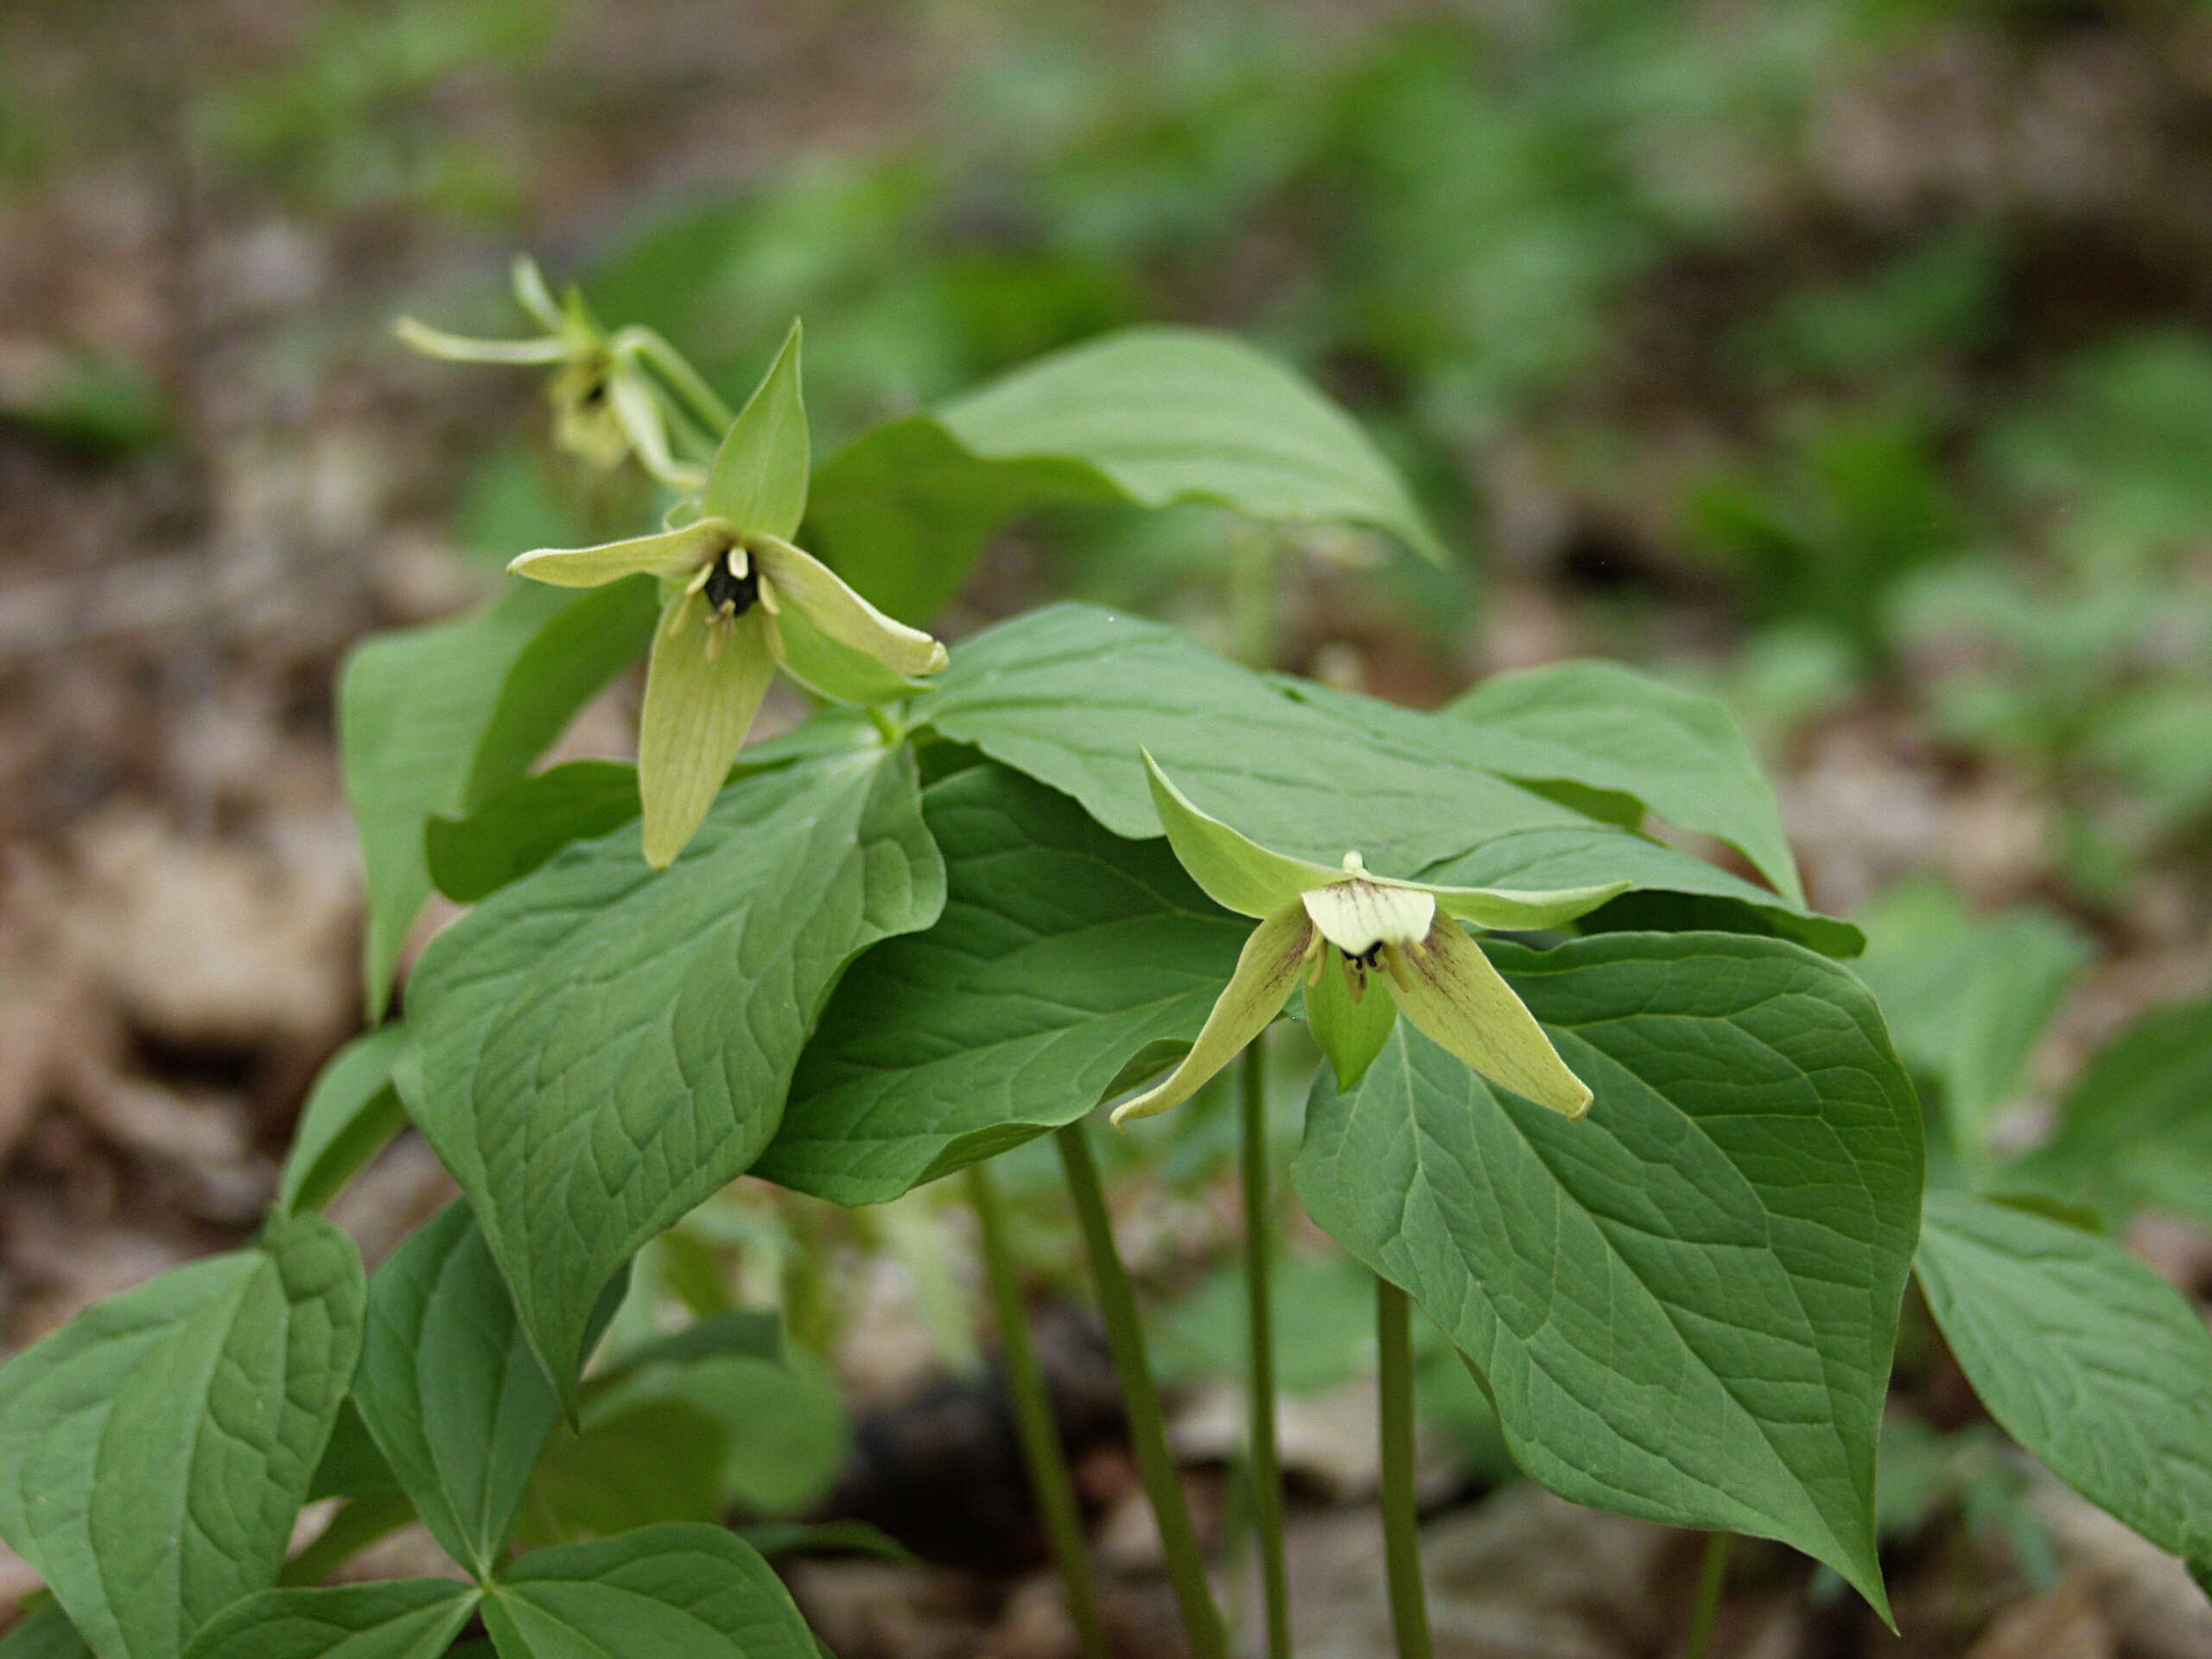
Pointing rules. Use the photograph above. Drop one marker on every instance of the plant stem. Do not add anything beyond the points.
(1400, 1525)
(1712, 1579)
(1041, 1450)
(1260, 1384)
(1118, 1303)
(1252, 596)
(702, 405)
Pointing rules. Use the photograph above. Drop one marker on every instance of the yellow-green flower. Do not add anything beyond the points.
(605, 408)
(739, 599)
(1368, 948)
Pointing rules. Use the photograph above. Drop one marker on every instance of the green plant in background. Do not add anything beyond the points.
(940, 919)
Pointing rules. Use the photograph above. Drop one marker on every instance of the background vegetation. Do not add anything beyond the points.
(1847, 358)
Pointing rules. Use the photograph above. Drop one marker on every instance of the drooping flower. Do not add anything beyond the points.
(604, 406)
(1367, 948)
(739, 599)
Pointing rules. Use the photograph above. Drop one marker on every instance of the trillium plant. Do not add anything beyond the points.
(1639, 1155)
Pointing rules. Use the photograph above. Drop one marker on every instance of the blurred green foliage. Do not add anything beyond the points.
(1663, 307)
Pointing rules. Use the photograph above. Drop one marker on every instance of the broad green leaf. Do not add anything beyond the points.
(779, 1426)
(1147, 416)
(1062, 949)
(2135, 1131)
(788, 1428)
(517, 829)
(659, 1461)
(674, 1592)
(1324, 1324)
(1603, 727)
(350, 1114)
(736, 1333)
(449, 1389)
(1072, 694)
(154, 1450)
(1684, 1304)
(902, 511)
(599, 1046)
(46, 1633)
(435, 719)
(1967, 995)
(357, 1523)
(521, 826)
(351, 1463)
(400, 1618)
(822, 1538)
(2085, 1355)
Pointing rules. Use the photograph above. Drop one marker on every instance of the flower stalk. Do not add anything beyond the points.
(1042, 1453)
(1711, 1580)
(1163, 1482)
(1261, 1454)
(1401, 1518)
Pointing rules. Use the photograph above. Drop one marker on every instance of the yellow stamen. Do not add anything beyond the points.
(1394, 959)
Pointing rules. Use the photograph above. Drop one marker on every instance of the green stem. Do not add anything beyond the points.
(1705, 1612)
(1259, 1294)
(1400, 1525)
(704, 404)
(1049, 1480)
(1118, 1303)
(1252, 596)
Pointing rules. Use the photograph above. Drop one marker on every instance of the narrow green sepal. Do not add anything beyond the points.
(1236, 872)
(760, 476)
(1267, 973)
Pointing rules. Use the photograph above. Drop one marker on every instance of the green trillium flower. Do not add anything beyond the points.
(605, 407)
(739, 599)
(1367, 948)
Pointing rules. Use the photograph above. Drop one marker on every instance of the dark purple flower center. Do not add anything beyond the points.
(728, 592)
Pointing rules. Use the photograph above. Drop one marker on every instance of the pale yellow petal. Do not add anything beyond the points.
(806, 584)
(639, 417)
(1519, 907)
(1357, 914)
(1451, 992)
(532, 295)
(672, 554)
(1267, 972)
(701, 695)
(462, 348)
